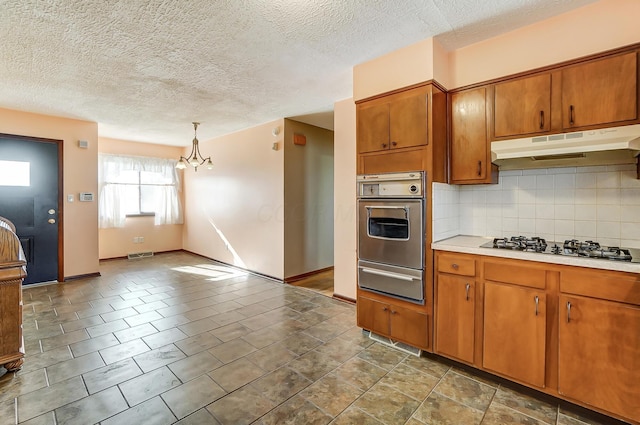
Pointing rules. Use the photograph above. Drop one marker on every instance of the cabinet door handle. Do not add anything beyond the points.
(479, 168)
(537, 300)
(384, 145)
(393, 312)
(466, 289)
(454, 266)
(570, 114)
(394, 143)
(384, 309)
(541, 120)
(568, 311)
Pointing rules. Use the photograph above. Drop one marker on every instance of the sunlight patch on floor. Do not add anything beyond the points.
(215, 273)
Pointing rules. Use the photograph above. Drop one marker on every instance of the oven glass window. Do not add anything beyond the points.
(389, 228)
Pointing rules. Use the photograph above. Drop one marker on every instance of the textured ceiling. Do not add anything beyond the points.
(144, 69)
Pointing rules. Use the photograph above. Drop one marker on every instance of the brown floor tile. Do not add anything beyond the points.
(123, 351)
(159, 339)
(264, 337)
(46, 419)
(74, 367)
(139, 319)
(236, 374)
(331, 394)
(48, 358)
(499, 414)
(428, 365)
(135, 332)
(191, 396)
(7, 412)
(75, 325)
(240, 407)
(527, 405)
(15, 384)
(149, 385)
(300, 343)
(281, 384)
(295, 411)
(170, 322)
(465, 390)
(92, 409)
(159, 357)
(194, 366)
(355, 416)
(410, 381)
(382, 356)
(93, 344)
(118, 314)
(199, 326)
(105, 328)
(113, 374)
(232, 350)
(199, 417)
(228, 332)
(360, 373)
(151, 412)
(271, 357)
(386, 405)
(64, 339)
(440, 410)
(149, 306)
(197, 343)
(313, 365)
(340, 349)
(43, 400)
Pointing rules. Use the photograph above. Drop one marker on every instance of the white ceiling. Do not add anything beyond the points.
(145, 69)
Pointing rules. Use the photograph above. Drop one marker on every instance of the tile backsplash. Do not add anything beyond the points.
(587, 203)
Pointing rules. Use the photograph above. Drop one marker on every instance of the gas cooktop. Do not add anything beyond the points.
(572, 248)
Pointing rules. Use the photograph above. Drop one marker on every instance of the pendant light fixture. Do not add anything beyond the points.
(195, 158)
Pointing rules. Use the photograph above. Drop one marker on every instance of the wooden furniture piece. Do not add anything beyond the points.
(567, 331)
(401, 131)
(455, 304)
(12, 272)
(541, 102)
(470, 145)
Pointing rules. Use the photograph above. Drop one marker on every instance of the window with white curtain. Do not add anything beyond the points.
(135, 185)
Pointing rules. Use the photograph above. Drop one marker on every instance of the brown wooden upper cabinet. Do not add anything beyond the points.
(522, 106)
(391, 122)
(600, 92)
(470, 147)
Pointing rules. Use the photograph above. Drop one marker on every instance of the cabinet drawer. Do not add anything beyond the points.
(517, 274)
(456, 264)
(612, 286)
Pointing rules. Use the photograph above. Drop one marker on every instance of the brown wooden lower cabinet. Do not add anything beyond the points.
(567, 331)
(455, 323)
(599, 354)
(393, 321)
(515, 332)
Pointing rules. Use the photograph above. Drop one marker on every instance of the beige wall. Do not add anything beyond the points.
(308, 199)
(118, 242)
(600, 26)
(344, 207)
(235, 212)
(79, 173)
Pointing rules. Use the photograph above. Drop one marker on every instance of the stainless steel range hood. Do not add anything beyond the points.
(607, 146)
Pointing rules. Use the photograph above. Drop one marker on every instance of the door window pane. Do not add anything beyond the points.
(15, 173)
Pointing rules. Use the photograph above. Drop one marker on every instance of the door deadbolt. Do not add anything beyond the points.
(51, 211)
(51, 220)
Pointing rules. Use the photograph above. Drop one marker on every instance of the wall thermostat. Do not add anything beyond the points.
(85, 197)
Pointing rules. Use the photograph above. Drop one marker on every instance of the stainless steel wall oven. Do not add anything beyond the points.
(391, 234)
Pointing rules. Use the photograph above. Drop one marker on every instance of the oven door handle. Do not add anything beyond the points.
(392, 275)
(370, 208)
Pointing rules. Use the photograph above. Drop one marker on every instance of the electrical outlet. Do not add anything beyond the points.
(140, 239)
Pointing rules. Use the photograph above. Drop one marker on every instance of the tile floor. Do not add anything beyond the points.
(178, 339)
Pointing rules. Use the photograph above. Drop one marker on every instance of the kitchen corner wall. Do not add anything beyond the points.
(587, 203)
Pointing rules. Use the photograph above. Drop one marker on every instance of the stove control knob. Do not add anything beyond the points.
(413, 188)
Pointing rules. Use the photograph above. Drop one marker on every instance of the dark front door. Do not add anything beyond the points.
(29, 198)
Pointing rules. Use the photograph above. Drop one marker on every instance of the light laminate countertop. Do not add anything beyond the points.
(471, 245)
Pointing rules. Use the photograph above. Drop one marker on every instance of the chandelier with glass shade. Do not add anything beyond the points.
(195, 158)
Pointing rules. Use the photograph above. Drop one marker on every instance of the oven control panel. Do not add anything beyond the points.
(393, 185)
